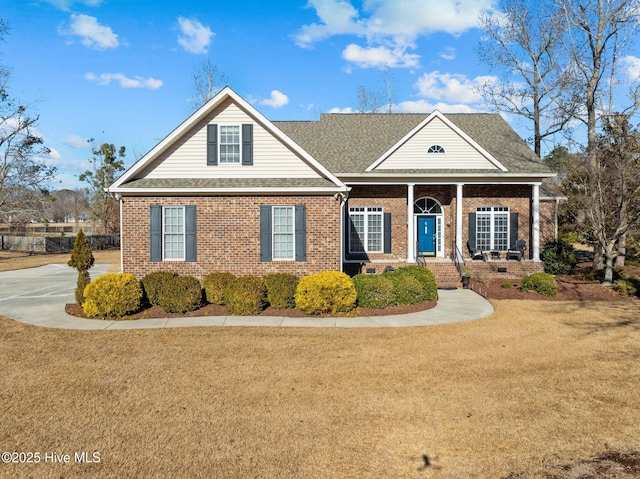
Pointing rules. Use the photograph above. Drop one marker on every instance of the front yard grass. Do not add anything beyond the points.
(535, 386)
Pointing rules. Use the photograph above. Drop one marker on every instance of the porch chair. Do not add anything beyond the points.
(517, 252)
(476, 253)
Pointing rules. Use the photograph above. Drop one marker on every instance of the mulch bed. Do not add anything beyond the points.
(217, 310)
(570, 288)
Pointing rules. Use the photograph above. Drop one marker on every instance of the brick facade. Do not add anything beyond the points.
(228, 235)
(393, 199)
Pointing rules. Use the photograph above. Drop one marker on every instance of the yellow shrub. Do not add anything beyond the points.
(113, 295)
(326, 292)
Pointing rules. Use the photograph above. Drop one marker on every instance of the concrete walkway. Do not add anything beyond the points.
(38, 296)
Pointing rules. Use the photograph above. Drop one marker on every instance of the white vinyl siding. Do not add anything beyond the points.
(366, 232)
(283, 233)
(458, 153)
(173, 233)
(271, 158)
(492, 228)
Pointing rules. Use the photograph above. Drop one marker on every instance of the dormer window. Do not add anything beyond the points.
(435, 149)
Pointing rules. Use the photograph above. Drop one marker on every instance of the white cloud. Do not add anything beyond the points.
(66, 4)
(423, 106)
(342, 110)
(75, 141)
(337, 17)
(451, 87)
(195, 37)
(631, 66)
(91, 33)
(53, 154)
(390, 27)
(277, 100)
(448, 53)
(138, 82)
(380, 57)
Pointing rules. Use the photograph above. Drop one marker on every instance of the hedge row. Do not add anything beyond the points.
(407, 285)
(115, 294)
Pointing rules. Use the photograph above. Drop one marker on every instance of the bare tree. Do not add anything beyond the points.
(605, 186)
(24, 175)
(599, 33)
(526, 39)
(370, 101)
(207, 82)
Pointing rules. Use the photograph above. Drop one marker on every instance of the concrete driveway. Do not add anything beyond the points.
(37, 296)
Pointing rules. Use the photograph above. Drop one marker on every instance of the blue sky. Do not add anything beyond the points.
(120, 71)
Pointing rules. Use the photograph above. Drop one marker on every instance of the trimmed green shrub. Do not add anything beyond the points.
(214, 286)
(374, 291)
(426, 278)
(153, 284)
(506, 284)
(625, 286)
(281, 290)
(181, 294)
(569, 237)
(246, 295)
(82, 260)
(112, 295)
(326, 292)
(407, 288)
(542, 283)
(559, 258)
(83, 280)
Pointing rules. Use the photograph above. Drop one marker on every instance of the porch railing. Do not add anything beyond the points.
(457, 258)
(419, 255)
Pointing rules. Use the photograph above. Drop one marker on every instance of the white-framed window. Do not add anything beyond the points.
(229, 144)
(366, 232)
(173, 233)
(283, 233)
(435, 149)
(492, 228)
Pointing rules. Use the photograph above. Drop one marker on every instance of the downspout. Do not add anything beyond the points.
(342, 197)
(120, 200)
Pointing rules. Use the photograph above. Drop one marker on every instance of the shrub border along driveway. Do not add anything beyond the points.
(37, 296)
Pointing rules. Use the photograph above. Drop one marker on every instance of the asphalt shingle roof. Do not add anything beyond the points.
(350, 143)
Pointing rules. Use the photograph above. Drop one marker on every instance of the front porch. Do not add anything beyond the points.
(403, 224)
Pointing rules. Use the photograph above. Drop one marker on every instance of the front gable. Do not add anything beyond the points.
(436, 144)
(188, 152)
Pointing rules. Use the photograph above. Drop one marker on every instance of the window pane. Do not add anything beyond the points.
(282, 232)
(356, 234)
(374, 239)
(483, 231)
(229, 144)
(173, 234)
(501, 231)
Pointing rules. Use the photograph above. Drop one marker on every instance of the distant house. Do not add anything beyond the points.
(229, 190)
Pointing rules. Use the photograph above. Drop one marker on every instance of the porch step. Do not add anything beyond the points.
(445, 273)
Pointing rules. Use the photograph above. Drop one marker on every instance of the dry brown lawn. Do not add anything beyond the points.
(10, 260)
(535, 386)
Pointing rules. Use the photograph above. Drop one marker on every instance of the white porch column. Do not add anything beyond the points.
(411, 254)
(459, 219)
(536, 222)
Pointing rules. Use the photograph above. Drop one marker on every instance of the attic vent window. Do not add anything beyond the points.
(435, 149)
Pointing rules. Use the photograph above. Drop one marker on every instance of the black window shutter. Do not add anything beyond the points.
(155, 226)
(265, 233)
(472, 230)
(513, 229)
(301, 232)
(247, 144)
(190, 233)
(212, 145)
(387, 233)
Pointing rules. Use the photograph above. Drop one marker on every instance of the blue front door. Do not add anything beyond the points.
(427, 235)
